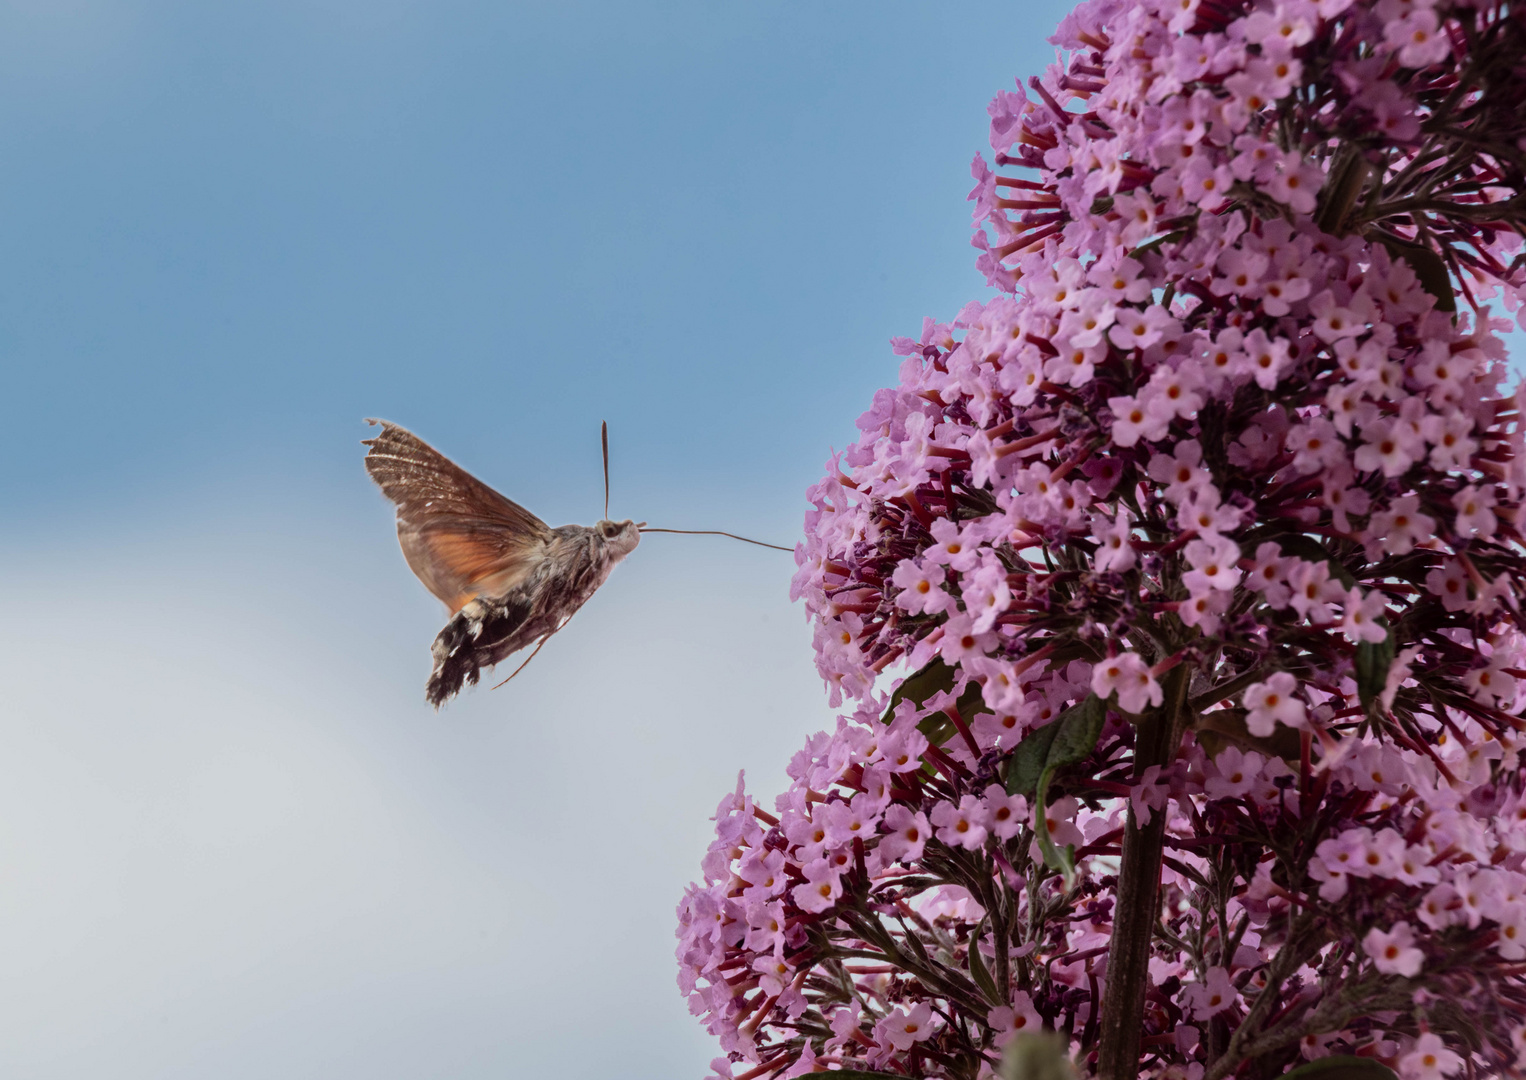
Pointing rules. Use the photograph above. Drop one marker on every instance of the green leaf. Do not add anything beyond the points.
(1061, 859)
(1311, 550)
(1429, 267)
(1341, 1067)
(1348, 175)
(933, 677)
(1373, 659)
(936, 677)
(1026, 765)
(978, 970)
(938, 728)
(1077, 738)
(1157, 243)
(972, 702)
(1065, 740)
(1222, 727)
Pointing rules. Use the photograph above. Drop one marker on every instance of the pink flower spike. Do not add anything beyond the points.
(1198, 426)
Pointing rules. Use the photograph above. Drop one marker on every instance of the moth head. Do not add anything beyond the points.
(618, 537)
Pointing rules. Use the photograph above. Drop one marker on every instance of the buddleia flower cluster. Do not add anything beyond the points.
(1172, 597)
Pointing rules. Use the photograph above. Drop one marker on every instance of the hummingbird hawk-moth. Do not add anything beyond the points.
(508, 578)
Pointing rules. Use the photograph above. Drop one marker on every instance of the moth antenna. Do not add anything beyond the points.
(604, 438)
(526, 664)
(717, 532)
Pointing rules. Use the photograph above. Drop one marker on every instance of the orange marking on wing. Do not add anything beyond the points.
(467, 556)
(468, 565)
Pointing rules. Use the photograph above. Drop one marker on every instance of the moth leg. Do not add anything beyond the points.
(532, 656)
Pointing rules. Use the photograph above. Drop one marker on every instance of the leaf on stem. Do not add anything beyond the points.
(1311, 550)
(1373, 659)
(1347, 177)
(1429, 267)
(1061, 742)
(978, 970)
(1223, 727)
(1056, 858)
(1067, 739)
(1341, 1067)
(936, 677)
(933, 677)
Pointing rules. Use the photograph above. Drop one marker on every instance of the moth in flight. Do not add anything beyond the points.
(508, 578)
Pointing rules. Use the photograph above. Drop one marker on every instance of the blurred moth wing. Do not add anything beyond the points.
(460, 537)
(507, 577)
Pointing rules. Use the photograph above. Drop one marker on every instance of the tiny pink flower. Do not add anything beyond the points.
(1214, 564)
(1429, 1060)
(965, 825)
(903, 1026)
(1129, 676)
(1114, 551)
(1361, 620)
(1005, 814)
(1138, 417)
(905, 833)
(1511, 943)
(1009, 1020)
(1394, 952)
(1234, 773)
(961, 641)
(1216, 993)
(921, 588)
(1475, 512)
(1418, 38)
(1272, 702)
(821, 888)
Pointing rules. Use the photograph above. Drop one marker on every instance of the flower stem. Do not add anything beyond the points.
(1138, 907)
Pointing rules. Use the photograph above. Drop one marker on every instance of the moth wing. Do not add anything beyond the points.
(461, 538)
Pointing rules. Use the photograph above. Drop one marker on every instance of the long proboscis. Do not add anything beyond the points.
(717, 532)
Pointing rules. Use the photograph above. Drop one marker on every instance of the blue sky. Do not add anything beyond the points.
(234, 841)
